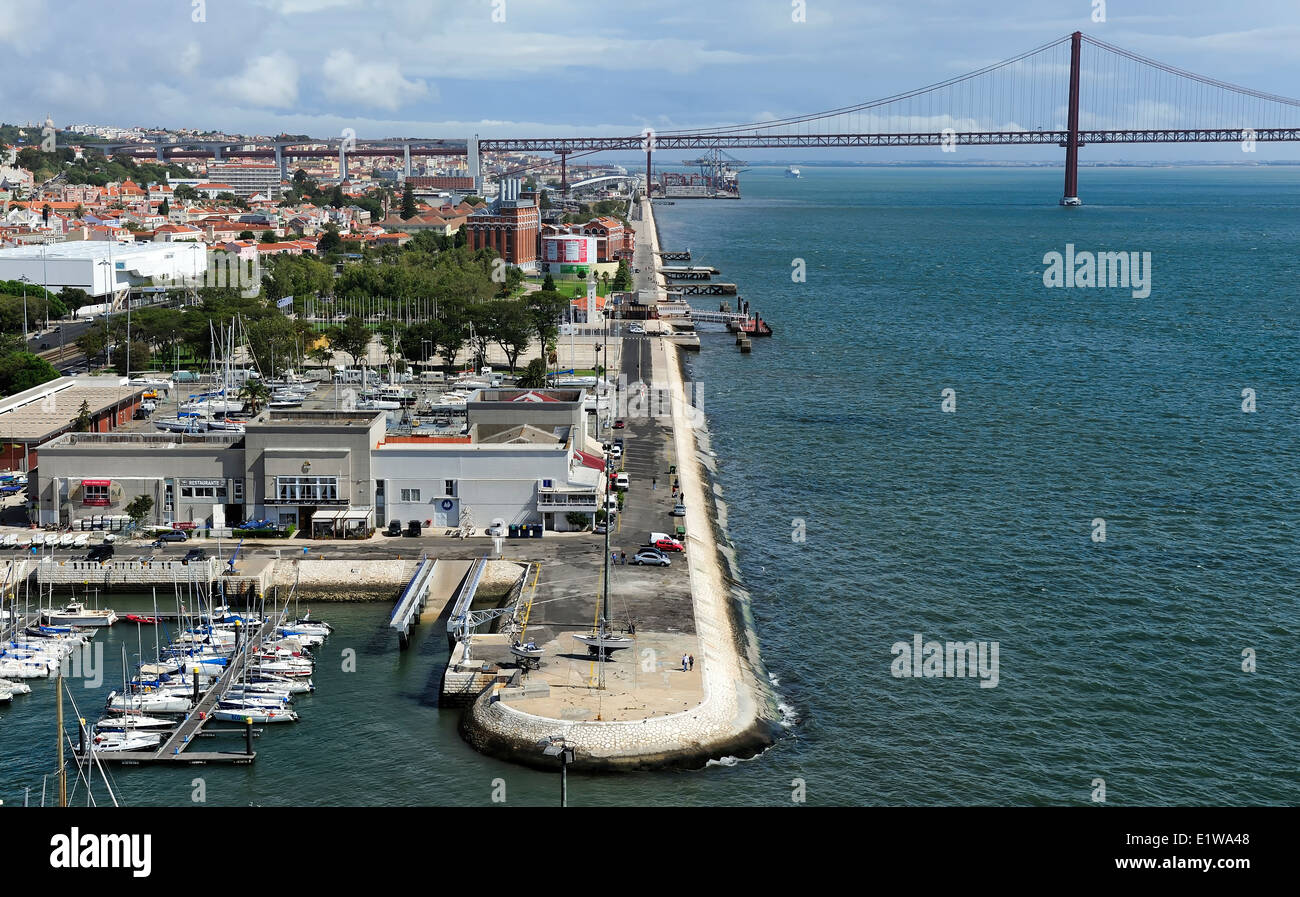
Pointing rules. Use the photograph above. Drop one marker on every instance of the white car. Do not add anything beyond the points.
(616, 452)
(635, 328)
(621, 482)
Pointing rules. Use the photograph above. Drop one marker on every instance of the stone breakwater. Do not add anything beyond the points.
(343, 580)
(738, 716)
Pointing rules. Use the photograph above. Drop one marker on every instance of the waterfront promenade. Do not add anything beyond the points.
(650, 714)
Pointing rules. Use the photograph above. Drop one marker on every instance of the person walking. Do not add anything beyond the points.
(690, 661)
(684, 663)
(654, 483)
(624, 560)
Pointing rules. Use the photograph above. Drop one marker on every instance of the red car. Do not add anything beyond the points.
(669, 545)
(619, 424)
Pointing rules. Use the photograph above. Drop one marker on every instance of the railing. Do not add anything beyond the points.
(568, 500)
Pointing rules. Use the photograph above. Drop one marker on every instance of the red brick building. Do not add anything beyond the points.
(512, 230)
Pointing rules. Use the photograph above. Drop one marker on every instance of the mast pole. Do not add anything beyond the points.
(63, 772)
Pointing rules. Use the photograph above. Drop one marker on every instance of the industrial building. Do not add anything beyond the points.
(104, 268)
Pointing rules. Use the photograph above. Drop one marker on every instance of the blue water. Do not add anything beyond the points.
(1119, 660)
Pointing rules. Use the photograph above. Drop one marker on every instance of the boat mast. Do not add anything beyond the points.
(63, 772)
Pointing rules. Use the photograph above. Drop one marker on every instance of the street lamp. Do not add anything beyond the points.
(554, 746)
(26, 280)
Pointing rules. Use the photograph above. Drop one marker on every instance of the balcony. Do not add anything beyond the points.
(568, 501)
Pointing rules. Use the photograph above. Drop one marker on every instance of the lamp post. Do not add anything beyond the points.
(25, 280)
(555, 746)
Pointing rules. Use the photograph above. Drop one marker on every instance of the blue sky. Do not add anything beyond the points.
(449, 69)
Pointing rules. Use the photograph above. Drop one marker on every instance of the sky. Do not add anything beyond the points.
(437, 68)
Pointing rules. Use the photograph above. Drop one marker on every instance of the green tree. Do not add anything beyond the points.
(321, 354)
(577, 519)
(268, 236)
(23, 370)
(185, 193)
(330, 241)
(511, 328)
(352, 338)
(164, 208)
(546, 310)
(548, 283)
(246, 235)
(623, 278)
(408, 202)
(533, 375)
(138, 357)
(83, 421)
(139, 508)
(255, 395)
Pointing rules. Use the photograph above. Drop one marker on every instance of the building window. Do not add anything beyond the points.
(307, 489)
(410, 495)
(449, 488)
(239, 492)
(546, 484)
(96, 494)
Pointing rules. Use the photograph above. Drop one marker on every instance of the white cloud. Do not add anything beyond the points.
(293, 7)
(73, 91)
(266, 81)
(188, 59)
(19, 20)
(378, 84)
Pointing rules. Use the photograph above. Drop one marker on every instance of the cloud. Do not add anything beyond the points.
(188, 59)
(266, 81)
(19, 20)
(378, 84)
(293, 7)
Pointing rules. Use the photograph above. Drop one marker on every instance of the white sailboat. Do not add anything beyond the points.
(126, 741)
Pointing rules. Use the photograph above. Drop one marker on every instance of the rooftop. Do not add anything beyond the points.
(44, 411)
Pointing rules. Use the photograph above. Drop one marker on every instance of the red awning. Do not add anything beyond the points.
(589, 460)
(96, 482)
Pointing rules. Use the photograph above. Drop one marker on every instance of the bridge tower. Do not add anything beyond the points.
(564, 172)
(343, 162)
(406, 158)
(471, 159)
(1071, 197)
(281, 162)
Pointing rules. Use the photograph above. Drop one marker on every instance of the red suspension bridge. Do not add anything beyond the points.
(1073, 92)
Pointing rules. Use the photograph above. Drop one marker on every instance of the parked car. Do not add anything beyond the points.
(651, 558)
(172, 535)
(413, 528)
(635, 328)
(668, 543)
(100, 553)
(622, 482)
(616, 452)
(620, 424)
(679, 510)
(394, 528)
(611, 503)
(618, 441)
(196, 554)
(599, 529)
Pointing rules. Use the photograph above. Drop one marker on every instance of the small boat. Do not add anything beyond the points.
(607, 641)
(157, 702)
(81, 541)
(142, 618)
(128, 721)
(254, 715)
(126, 741)
(526, 650)
(18, 688)
(792, 172)
(67, 540)
(76, 614)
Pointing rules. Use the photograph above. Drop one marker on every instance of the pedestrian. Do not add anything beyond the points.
(613, 557)
(654, 483)
(624, 561)
(684, 663)
(690, 661)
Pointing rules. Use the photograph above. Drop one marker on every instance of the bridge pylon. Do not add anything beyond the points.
(1071, 196)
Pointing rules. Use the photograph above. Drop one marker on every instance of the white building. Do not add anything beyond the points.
(102, 268)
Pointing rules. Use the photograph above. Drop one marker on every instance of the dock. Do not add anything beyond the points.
(688, 272)
(173, 750)
(433, 586)
(673, 255)
(702, 289)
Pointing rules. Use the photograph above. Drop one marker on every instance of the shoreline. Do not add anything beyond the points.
(739, 714)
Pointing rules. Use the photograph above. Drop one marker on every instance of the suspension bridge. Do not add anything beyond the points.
(1072, 92)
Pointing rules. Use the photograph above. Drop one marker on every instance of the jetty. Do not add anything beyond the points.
(673, 255)
(433, 586)
(175, 748)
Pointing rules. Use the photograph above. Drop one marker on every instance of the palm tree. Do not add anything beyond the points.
(254, 395)
(533, 376)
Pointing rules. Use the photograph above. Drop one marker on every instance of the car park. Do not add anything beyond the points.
(651, 558)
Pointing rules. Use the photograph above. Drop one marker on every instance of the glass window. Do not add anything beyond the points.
(449, 487)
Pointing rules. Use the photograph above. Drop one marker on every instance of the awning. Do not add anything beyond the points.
(356, 514)
(327, 516)
(590, 460)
